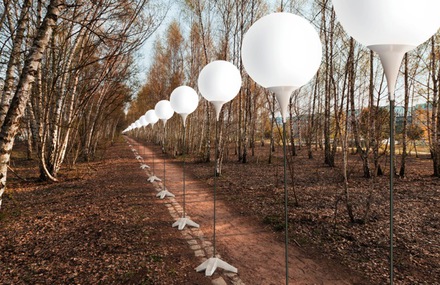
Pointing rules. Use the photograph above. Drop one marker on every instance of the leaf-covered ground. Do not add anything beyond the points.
(256, 189)
(102, 224)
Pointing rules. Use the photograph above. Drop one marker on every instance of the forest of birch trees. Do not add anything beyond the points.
(343, 109)
(69, 84)
(66, 74)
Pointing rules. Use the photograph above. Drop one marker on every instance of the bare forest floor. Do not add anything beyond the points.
(103, 225)
(256, 189)
(100, 225)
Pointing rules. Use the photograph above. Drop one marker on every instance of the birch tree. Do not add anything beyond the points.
(433, 100)
(91, 51)
(27, 75)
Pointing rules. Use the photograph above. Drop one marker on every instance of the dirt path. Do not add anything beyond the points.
(255, 250)
(103, 227)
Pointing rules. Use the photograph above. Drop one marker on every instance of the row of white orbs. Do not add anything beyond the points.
(282, 52)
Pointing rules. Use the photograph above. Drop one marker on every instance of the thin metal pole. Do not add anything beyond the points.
(215, 187)
(152, 153)
(163, 150)
(183, 170)
(145, 145)
(144, 154)
(392, 151)
(152, 150)
(286, 213)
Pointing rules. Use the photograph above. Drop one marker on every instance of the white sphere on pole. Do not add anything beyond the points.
(163, 110)
(281, 49)
(184, 100)
(219, 82)
(151, 117)
(281, 52)
(143, 121)
(384, 22)
(389, 27)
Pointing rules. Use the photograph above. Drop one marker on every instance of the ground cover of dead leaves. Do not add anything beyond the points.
(99, 225)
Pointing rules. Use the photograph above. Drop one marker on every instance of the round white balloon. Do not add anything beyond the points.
(281, 50)
(143, 121)
(385, 22)
(163, 109)
(151, 117)
(219, 81)
(184, 100)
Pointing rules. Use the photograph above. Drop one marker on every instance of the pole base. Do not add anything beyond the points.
(138, 157)
(144, 166)
(153, 178)
(211, 264)
(164, 193)
(182, 222)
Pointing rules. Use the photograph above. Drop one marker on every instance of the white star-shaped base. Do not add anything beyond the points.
(164, 193)
(182, 222)
(154, 178)
(144, 166)
(211, 264)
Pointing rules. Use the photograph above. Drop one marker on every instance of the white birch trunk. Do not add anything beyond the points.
(13, 61)
(18, 104)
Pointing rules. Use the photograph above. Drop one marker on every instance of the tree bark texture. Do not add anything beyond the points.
(27, 77)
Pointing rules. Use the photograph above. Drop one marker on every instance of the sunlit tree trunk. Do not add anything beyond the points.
(271, 100)
(435, 113)
(327, 30)
(14, 58)
(362, 151)
(405, 119)
(27, 77)
(311, 129)
(291, 127)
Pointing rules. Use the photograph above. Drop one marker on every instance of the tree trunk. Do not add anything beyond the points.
(218, 145)
(207, 154)
(245, 137)
(357, 139)
(18, 104)
(435, 115)
(292, 139)
(311, 124)
(29, 145)
(207, 157)
(405, 121)
(239, 130)
(14, 58)
(346, 191)
(272, 122)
